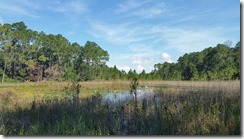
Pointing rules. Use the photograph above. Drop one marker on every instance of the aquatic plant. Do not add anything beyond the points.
(133, 89)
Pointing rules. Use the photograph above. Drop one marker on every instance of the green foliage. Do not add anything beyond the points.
(26, 54)
(10, 80)
(42, 58)
(218, 63)
(69, 74)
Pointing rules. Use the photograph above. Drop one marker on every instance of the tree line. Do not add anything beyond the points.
(26, 54)
(214, 63)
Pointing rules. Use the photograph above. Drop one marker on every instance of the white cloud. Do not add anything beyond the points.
(31, 8)
(16, 8)
(151, 11)
(135, 60)
(69, 7)
(146, 60)
(142, 8)
(32, 4)
(143, 36)
(117, 33)
(189, 40)
(130, 5)
(141, 48)
(145, 41)
(143, 61)
(139, 68)
(166, 57)
(185, 16)
(72, 11)
(125, 68)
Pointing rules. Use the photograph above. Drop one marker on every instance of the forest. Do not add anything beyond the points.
(28, 55)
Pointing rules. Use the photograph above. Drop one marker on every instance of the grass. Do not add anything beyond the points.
(178, 108)
(28, 91)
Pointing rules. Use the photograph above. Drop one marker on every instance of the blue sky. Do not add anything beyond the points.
(136, 33)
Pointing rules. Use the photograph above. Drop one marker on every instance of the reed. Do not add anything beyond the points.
(176, 109)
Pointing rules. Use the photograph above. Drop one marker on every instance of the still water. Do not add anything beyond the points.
(126, 96)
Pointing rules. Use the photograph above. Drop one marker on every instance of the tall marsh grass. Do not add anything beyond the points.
(213, 109)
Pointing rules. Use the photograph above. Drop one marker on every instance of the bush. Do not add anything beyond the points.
(69, 74)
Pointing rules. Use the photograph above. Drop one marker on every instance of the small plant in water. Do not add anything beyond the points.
(133, 88)
(72, 92)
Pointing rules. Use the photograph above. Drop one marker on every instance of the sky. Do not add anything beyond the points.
(136, 33)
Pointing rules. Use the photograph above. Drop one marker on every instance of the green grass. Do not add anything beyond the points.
(210, 110)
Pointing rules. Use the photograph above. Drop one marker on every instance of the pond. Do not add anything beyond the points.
(124, 96)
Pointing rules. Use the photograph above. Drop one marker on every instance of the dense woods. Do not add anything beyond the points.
(214, 63)
(28, 55)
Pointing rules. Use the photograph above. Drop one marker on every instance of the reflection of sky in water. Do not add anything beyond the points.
(125, 96)
(118, 96)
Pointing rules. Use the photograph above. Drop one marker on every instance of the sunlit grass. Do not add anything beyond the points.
(178, 108)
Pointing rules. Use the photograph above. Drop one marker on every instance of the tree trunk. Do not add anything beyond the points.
(4, 71)
(50, 62)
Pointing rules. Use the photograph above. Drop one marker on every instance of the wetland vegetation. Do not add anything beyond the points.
(51, 86)
(208, 108)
